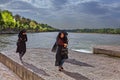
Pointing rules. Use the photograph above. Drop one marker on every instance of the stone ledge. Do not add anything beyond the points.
(23, 72)
(108, 50)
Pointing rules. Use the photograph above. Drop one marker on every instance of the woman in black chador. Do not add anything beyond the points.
(21, 44)
(62, 50)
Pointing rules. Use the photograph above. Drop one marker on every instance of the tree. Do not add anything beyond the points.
(17, 17)
(1, 21)
(33, 25)
(8, 19)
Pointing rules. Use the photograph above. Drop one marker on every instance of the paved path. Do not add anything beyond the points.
(6, 74)
(79, 66)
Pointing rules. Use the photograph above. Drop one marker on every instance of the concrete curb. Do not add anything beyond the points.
(108, 50)
(23, 72)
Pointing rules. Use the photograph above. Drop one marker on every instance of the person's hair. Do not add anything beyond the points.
(65, 36)
(21, 32)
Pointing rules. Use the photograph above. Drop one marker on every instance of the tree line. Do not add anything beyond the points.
(104, 30)
(10, 22)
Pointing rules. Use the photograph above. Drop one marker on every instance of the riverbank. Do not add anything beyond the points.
(79, 66)
(28, 31)
(72, 31)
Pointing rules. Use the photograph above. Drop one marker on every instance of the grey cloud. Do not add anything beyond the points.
(58, 4)
(20, 5)
(116, 9)
(93, 8)
(4, 1)
(90, 14)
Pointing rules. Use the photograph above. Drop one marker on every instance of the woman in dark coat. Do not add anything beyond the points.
(21, 44)
(61, 54)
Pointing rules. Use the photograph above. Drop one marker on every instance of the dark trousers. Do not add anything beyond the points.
(21, 54)
(62, 62)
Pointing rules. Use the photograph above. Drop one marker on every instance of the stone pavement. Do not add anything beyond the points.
(79, 66)
(6, 74)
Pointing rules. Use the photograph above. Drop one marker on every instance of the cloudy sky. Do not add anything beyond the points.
(68, 14)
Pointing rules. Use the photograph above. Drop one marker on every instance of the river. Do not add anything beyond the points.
(82, 42)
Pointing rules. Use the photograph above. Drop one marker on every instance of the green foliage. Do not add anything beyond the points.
(8, 22)
(1, 21)
(104, 30)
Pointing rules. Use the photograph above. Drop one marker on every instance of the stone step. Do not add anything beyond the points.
(108, 50)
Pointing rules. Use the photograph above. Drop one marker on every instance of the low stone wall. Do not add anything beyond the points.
(23, 72)
(108, 50)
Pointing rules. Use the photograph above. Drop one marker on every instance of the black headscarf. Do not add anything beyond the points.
(65, 39)
(21, 33)
(22, 37)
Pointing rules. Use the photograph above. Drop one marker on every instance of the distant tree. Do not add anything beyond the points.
(9, 22)
(33, 24)
(17, 17)
(1, 21)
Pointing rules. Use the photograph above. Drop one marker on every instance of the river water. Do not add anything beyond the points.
(82, 42)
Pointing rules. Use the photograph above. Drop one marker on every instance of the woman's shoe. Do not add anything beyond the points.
(62, 68)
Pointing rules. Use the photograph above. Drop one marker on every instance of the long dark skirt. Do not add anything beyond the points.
(59, 56)
(21, 47)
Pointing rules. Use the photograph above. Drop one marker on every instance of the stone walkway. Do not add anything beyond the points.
(6, 74)
(79, 66)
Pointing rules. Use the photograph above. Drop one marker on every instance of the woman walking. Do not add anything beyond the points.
(21, 43)
(62, 50)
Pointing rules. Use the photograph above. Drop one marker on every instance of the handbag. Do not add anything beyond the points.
(64, 51)
(54, 48)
